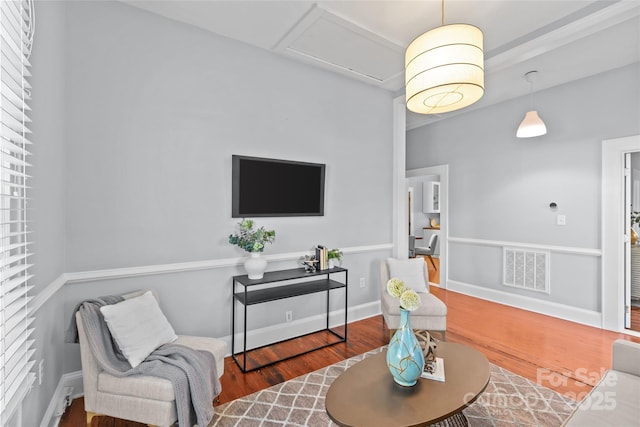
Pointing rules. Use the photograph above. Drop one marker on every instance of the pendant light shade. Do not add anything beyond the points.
(531, 126)
(444, 69)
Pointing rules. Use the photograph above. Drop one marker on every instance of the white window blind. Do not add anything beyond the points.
(16, 344)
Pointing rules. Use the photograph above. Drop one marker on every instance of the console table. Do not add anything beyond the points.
(277, 285)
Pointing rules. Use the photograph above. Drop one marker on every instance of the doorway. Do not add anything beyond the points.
(632, 254)
(615, 228)
(424, 222)
(422, 225)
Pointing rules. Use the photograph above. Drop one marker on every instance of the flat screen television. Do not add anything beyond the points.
(272, 188)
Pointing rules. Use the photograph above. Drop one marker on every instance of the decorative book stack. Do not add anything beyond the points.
(321, 257)
(434, 370)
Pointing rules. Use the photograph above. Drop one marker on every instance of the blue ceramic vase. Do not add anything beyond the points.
(404, 355)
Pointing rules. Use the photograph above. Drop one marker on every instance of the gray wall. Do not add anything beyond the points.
(154, 112)
(47, 207)
(158, 108)
(501, 186)
(134, 132)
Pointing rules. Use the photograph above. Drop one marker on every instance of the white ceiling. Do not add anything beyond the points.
(563, 40)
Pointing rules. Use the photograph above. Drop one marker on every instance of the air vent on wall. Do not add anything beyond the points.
(526, 269)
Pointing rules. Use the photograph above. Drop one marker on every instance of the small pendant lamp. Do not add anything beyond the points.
(444, 69)
(532, 125)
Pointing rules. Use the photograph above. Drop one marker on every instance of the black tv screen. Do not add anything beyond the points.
(271, 187)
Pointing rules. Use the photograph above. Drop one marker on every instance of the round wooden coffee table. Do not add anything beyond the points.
(366, 395)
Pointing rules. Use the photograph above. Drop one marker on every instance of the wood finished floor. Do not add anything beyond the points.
(434, 273)
(635, 319)
(564, 356)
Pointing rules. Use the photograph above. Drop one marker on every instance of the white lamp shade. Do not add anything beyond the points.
(532, 125)
(444, 69)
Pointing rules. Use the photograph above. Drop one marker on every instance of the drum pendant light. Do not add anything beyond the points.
(532, 125)
(444, 69)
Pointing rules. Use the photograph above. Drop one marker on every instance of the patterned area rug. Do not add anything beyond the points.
(509, 400)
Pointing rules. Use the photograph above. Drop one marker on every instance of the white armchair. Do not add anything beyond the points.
(145, 399)
(430, 316)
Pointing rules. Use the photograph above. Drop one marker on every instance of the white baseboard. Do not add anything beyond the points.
(281, 331)
(553, 309)
(72, 379)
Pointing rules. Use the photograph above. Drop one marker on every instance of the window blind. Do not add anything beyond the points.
(16, 344)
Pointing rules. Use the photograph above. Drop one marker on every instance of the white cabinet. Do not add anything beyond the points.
(431, 197)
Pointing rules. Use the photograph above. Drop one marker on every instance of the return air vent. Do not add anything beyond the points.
(324, 39)
(526, 269)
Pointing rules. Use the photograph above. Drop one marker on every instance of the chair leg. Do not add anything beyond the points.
(432, 263)
(90, 416)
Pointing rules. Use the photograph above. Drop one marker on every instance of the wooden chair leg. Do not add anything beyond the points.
(90, 416)
(432, 262)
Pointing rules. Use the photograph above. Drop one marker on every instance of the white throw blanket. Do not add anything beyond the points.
(193, 373)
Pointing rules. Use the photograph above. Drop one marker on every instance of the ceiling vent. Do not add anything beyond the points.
(326, 40)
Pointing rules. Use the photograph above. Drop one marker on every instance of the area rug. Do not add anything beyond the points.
(508, 400)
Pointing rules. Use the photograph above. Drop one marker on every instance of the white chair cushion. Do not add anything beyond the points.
(156, 388)
(410, 271)
(215, 346)
(138, 326)
(431, 306)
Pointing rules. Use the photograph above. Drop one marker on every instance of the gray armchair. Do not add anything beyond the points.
(614, 401)
(429, 250)
(145, 399)
(430, 316)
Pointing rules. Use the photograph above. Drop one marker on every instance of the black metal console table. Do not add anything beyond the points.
(262, 293)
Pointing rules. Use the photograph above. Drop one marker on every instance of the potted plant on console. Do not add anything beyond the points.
(335, 257)
(253, 241)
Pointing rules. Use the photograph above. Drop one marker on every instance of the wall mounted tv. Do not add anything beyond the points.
(271, 187)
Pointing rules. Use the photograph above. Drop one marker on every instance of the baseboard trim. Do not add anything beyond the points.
(71, 379)
(281, 331)
(553, 309)
(550, 248)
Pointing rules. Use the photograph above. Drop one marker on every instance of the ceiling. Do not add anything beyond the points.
(365, 40)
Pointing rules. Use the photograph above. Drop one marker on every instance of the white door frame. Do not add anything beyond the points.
(613, 232)
(400, 226)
